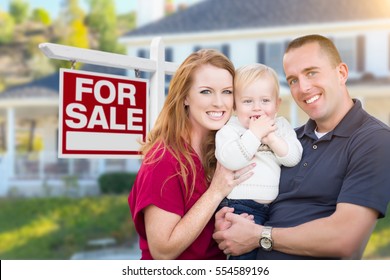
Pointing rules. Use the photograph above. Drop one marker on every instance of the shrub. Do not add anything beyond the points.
(116, 182)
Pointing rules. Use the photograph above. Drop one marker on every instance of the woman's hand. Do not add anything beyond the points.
(241, 237)
(224, 180)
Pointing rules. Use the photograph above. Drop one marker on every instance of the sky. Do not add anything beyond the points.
(52, 6)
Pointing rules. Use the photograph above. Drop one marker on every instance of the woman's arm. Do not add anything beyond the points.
(169, 234)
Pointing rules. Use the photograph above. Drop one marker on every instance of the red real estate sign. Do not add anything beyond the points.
(101, 115)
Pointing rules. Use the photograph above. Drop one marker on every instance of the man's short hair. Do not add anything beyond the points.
(325, 44)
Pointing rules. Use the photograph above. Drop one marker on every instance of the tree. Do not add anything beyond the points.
(19, 10)
(42, 16)
(70, 28)
(102, 22)
(126, 22)
(7, 26)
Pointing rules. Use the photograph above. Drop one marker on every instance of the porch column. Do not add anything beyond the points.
(101, 166)
(11, 142)
(41, 164)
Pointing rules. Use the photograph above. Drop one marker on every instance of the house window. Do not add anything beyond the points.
(274, 56)
(168, 57)
(348, 49)
(169, 54)
(225, 49)
(143, 54)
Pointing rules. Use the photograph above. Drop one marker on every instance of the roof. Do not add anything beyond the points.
(48, 87)
(220, 15)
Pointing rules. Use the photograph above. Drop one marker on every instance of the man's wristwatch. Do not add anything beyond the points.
(266, 239)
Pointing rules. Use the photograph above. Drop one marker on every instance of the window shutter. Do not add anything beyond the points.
(169, 54)
(226, 50)
(142, 53)
(261, 53)
(361, 43)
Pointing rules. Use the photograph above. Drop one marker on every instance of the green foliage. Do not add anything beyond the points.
(79, 35)
(25, 146)
(116, 182)
(72, 10)
(56, 228)
(2, 88)
(126, 22)
(102, 21)
(39, 64)
(7, 26)
(19, 10)
(71, 30)
(42, 16)
(378, 246)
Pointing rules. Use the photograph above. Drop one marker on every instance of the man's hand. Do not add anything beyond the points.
(220, 222)
(240, 237)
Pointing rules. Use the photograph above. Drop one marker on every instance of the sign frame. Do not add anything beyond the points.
(79, 143)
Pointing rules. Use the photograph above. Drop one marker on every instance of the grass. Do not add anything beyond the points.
(56, 228)
(378, 246)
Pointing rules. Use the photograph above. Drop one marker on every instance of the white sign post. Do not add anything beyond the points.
(103, 128)
(101, 115)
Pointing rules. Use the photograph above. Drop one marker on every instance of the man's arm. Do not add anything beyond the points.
(343, 234)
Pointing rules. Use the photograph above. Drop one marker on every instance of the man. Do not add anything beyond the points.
(329, 203)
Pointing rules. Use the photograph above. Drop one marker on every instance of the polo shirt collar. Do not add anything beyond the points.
(345, 128)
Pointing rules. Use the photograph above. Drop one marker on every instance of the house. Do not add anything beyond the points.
(29, 165)
(258, 31)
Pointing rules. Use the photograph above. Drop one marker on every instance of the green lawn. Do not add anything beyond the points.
(55, 228)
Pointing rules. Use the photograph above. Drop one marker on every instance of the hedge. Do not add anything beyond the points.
(116, 182)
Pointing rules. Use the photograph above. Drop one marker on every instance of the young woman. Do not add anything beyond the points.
(180, 184)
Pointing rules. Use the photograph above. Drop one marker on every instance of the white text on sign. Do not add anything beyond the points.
(123, 92)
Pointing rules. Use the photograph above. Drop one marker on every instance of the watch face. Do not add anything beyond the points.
(266, 243)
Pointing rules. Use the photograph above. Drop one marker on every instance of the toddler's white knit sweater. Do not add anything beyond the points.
(237, 146)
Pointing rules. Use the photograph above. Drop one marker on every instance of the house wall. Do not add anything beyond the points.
(378, 52)
(375, 105)
(243, 52)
